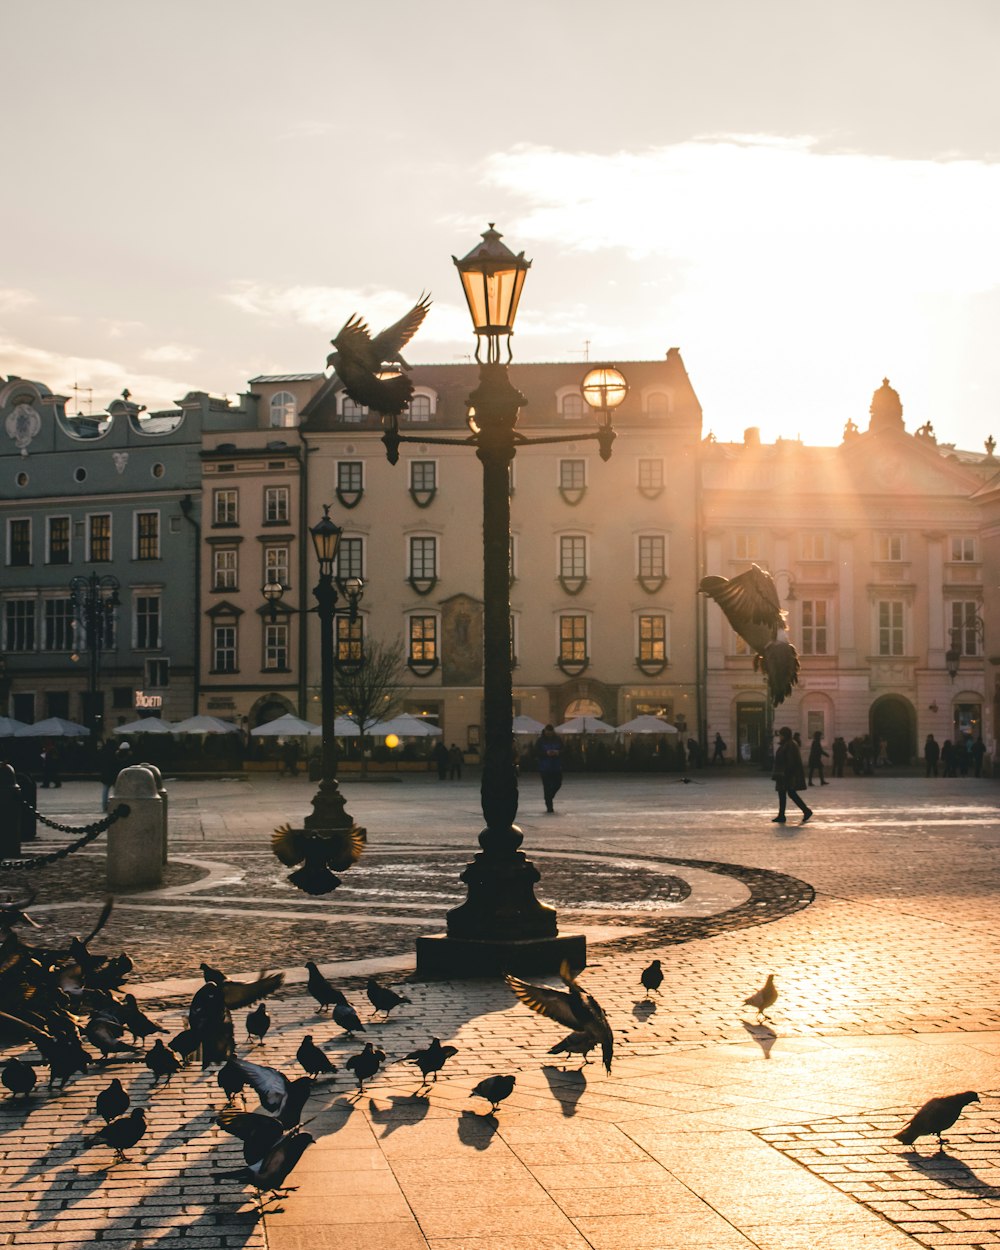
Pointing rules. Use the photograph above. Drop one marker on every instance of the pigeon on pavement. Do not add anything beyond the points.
(345, 1015)
(652, 977)
(315, 1061)
(112, 1101)
(935, 1116)
(319, 987)
(121, 1134)
(278, 1095)
(494, 1089)
(382, 998)
(573, 1007)
(18, 1076)
(432, 1058)
(365, 1064)
(258, 1023)
(162, 1062)
(765, 997)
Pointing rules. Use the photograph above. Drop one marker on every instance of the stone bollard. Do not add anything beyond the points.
(158, 778)
(135, 843)
(10, 813)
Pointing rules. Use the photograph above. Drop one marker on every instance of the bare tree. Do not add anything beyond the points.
(374, 691)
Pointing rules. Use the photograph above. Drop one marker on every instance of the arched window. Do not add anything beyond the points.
(353, 412)
(420, 408)
(283, 410)
(571, 407)
(658, 404)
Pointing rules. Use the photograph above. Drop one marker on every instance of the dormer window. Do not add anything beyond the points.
(353, 412)
(658, 404)
(284, 410)
(420, 408)
(571, 406)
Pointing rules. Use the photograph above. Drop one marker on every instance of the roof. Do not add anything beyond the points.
(285, 377)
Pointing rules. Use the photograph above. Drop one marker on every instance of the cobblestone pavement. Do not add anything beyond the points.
(878, 919)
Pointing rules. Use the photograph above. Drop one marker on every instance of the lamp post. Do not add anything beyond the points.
(95, 599)
(501, 926)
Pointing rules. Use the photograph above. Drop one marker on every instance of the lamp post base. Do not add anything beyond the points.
(442, 957)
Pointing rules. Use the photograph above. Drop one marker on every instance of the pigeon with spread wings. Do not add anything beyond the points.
(360, 357)
(750, 602)
(573, 1007)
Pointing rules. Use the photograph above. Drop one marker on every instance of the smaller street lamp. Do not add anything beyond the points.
(604, 388)
(96, 599)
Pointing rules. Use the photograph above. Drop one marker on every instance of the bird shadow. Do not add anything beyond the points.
(404, 1110)
(72, 1185)
(567, 1086)
(643, 1008)
(763, 1035)
(476, 1130)
(949, 1170)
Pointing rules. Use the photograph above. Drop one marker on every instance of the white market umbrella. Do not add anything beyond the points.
(287, 726)
(527, 725)
(145, 725)
(406, 726)
(53, 727)
(205, 725)
(585, 725)
(343, 727)
(647, 724)
(9, 726)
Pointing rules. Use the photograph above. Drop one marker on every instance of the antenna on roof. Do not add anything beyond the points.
(585, 350)
(89, 390)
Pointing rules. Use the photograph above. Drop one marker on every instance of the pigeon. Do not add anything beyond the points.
(432, 1058)
(278, 1095)
(365, 1064)
(321, 989)
(271, 1173)
(750, 602)
(212, 975)
(59, 1046)
(359, 358)
(106, 1035)
(257, 1130)
(162, 1062)
(210, 1021)
(18, 1076)
(765, 997)
(573, 1007)
(135, 1019)
(652, 977)
(576, 1044)
(242, 993)
(494, 1089)
(935, 1116)
(314, 1060)
(231, 1080)
(121, 1134)
(258, 1023)
(382, 998)
(345, 1015)
(317, 850)
(112, 1101)
(185, 1043)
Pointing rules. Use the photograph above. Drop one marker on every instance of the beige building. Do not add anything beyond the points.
(880, 551)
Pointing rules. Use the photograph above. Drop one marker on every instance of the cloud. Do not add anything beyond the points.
(12, 299)
(170, 353)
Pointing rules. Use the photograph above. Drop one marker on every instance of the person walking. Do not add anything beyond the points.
(932, 753)
(719, 752)
(548, 751)
(455, 761)
(440, 757)
(816, 755)
(839, 756)
(50, 766)
(290, 757)
(788, 776)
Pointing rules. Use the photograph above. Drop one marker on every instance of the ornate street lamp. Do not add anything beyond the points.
(501, 926)
(95, 600)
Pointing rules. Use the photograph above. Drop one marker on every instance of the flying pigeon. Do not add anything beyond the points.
(765, 997)
(750, 602)
(318, 851)
(573, 1007)
(494, 1089)
(359, 361)
(935, 1116)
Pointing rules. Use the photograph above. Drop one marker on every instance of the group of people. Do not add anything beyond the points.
(449, 761)
(956, 758)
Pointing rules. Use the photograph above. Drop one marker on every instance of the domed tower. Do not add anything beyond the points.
(886, 411)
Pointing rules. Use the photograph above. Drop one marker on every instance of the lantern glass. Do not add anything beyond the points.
(604, 387)
(492, 279)
(272, 591)
(326, 539)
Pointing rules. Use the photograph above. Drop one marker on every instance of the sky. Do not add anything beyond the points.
(802, 197)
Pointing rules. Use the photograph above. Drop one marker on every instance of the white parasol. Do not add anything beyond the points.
(647, 724)
(585, 725)
(287, 726)
(406, 726)
(145, 725)
(205, 725)
(53, 727)
(527, 725)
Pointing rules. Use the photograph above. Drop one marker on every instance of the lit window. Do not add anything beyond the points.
(225, 507)
(350, 640)
(283, 409)
(147, 535)
(572, 639)
(99, 538)
(652, 639)
(423, 639)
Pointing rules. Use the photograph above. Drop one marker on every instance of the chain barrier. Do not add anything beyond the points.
(90, 832)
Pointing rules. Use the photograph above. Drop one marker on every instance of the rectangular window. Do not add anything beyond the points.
(351, 558)
(651, 475)
(225, 568)
(147, 536)
(58, 552)
(966, 627)
(147, 622)
(963, 548)
(423, 475)
(890, 547)
(572, 474)
(19, 625)
(572, 556)
(652, 557)
(225, 507)
(890, 627)
(350, 477)
(276, 646)
(224, 649)
(652, 639)
(746, 546)
(813, 546)
(59, 625)
(99, 537)
(157, 674)
(19, 541)
(352, 412)
(423, 559)
(572, 639)
(349, 645)
(276, 505)
(423, 639)
(276, 565)
(419, 408)
(813, 629)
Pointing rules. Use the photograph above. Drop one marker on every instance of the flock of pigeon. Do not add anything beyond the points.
(61, 1001)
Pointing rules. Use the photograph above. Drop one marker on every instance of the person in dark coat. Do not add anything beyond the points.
(548, 751)
(978, 751)
(455, 761)
(50, 766)
(839, 756)
(947, 759)
(788, 776)
(816, 754)
(932, 753)
(719, 752)
(440, 757)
